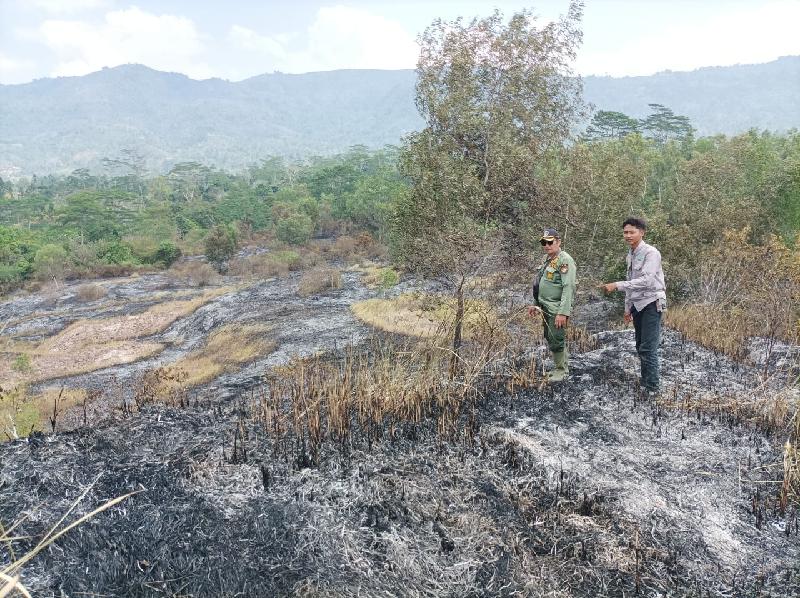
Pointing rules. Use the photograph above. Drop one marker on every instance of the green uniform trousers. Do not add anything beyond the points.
(555, 337)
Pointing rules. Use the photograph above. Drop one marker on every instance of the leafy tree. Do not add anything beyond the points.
(496, 99)
(370, 205)
(85, 213)
(611, 125)
(190, 180)
(663, 124)
(127, 171)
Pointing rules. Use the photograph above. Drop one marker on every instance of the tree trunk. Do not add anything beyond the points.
(454, 359)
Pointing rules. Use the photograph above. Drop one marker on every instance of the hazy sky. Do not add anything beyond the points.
(236, 39)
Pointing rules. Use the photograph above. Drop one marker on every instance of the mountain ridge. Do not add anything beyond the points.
(59, 124)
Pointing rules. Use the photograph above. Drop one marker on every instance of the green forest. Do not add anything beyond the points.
(693, 191)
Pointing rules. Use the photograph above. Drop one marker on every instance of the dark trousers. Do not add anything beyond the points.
(647, 326)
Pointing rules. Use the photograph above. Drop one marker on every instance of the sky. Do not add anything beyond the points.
(237, 39)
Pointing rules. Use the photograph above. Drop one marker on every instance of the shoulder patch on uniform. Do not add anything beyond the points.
(564, 268)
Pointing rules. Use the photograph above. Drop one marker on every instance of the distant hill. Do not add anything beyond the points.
(57, 125)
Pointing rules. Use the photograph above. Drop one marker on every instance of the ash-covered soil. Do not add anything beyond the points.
(582, 489)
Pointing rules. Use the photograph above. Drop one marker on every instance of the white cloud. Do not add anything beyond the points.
(163, 42)
(340, 37)
(754, 34)
(69, 6)
(13, 70)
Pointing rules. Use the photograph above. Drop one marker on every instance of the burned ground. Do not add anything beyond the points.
(583, 489)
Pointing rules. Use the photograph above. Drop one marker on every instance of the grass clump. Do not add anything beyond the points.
(378, 277)
(89, 345)
(423, 315)
(319, 279)
(22, 413)
(22, 363)
(227, 349)
(90, 292)
(266, 265)
(194, 273)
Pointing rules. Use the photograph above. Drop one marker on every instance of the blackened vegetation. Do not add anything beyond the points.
(518, 489)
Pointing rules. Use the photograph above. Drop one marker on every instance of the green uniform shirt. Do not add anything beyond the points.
(557, 284)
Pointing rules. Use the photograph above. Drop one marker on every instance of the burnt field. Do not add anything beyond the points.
(577, 490)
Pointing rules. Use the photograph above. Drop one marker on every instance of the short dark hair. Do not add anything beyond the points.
(637, 222)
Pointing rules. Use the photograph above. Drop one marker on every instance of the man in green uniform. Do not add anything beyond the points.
(553, 294)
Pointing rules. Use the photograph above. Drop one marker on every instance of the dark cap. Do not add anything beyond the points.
(549, 234)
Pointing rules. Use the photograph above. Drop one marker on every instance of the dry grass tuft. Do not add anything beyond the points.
(89, 345)
(790, 488)
(319, 279)
(227, 349)
(723, 330)
(385, 390)
(266, 265)
(194, 273)
(355, 249)
(422, 315)
(90, 292)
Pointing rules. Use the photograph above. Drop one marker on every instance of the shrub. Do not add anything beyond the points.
(50, 263)
(388, 278)
(266, 265)
(115, 252)
(319, 279)
(220, 244)
(167, 254)
(143, 248)
(344, 247)
(383, 278)
(258, 266)
(22, 363)
(90, 292)
(194, 273)
(295, 229)
(286, 256)
(82, 257)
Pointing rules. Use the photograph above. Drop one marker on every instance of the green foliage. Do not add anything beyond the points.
(294, 229)
(85, 213)
(663, 124)
(50, 263)
(18, 246)
(22, 363)
(495, 97)
(611, 125)
(115, 252)
(388, 278)
(220, 244)
(168, 253)
(286, 256)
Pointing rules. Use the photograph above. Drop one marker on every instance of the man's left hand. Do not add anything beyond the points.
(561, 321)
(609, 287)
